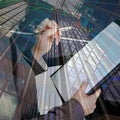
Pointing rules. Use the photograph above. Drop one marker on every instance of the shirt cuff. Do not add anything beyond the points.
(76, 108)
(41, 62)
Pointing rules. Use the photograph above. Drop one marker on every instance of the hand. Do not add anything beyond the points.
(88, 102)
(50, 30)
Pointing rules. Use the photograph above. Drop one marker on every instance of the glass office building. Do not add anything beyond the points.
(90, 50)
(97, 14)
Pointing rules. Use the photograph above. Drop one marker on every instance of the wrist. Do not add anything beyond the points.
(38, 57)
(37, 53)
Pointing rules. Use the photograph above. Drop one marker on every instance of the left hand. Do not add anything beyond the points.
(88, 102)
(50, 30)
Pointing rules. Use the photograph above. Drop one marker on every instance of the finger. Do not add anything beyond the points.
(48, 37)
(49, 33)
(49, 43)
(84, 85)
(97, 93)
(41, 26)
(46, 24)
(57, 36)
(54, 24)
(93, 108)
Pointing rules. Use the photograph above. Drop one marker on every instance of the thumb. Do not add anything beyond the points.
(84, 85)
(57, 36)
(97, 93)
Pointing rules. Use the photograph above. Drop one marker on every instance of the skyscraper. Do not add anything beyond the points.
(18, 93)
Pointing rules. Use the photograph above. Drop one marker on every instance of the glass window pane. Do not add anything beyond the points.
(98, 51)
(73, 74)
(92, 63)
(103, 41)
(86, 51)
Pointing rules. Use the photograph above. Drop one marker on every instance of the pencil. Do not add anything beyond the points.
(39, 33)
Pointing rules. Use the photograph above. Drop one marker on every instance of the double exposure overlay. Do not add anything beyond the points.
(89, 50)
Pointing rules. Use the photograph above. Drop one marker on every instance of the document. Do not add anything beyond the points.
(92, 63)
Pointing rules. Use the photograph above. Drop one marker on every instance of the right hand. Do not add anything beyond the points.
(50, 30)
(88, 102)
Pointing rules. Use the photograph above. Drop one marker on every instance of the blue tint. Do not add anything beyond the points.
(25, 42)
(90, 26)
(117, 35)
(117, 78)
(117, 9)
(103, 19)
(97, 14)
(113, 52)
(112, 29)
(103, 41)
(85, 22)
(90, 12)
(98, 75)
(102, 69)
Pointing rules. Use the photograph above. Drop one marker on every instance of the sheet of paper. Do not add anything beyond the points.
(46, 93)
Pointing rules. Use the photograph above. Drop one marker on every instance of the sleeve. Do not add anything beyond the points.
(37, 68)
(71, 110)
